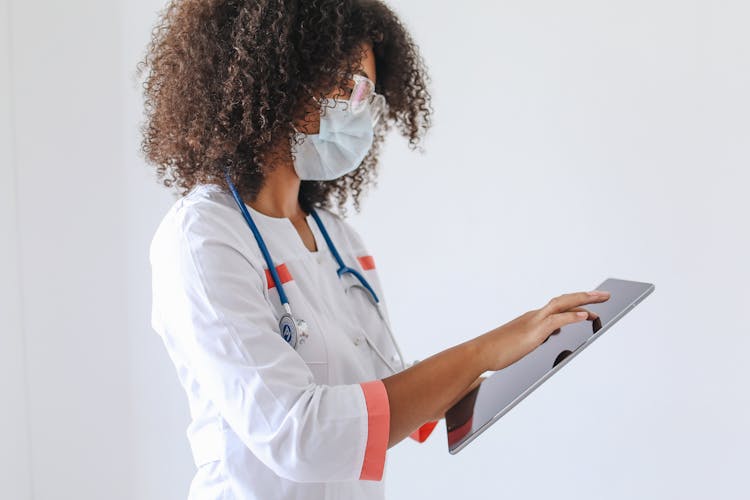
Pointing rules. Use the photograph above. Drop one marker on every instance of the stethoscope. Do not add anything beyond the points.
(292, 329)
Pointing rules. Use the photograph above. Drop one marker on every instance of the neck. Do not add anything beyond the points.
(280, 192)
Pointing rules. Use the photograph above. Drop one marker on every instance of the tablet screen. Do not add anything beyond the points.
(502, 390)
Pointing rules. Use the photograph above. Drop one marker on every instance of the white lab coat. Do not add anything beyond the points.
(270, 421)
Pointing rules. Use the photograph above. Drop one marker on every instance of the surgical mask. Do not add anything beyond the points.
(340, 146)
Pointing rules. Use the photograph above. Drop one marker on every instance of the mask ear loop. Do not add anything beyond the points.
(378, 108)
(320, 107)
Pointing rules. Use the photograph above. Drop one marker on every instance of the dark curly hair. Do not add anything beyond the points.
(226, 79)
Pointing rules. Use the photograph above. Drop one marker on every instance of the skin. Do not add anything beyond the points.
(425, 391)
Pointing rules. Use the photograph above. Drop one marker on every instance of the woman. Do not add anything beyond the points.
(266, 114)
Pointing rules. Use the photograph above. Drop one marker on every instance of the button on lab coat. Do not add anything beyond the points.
(269, 420)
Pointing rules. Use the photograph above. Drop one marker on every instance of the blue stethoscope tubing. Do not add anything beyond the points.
(343, 268)
(288, 325)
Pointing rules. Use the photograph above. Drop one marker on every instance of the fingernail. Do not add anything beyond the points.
(582, 314)
(595, 293)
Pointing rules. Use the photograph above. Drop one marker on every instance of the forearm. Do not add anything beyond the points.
(461, 396)
(426, 390)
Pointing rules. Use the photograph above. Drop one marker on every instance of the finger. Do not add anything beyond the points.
(554, 332)
(567, 301)
(559, 320)
(591, 314)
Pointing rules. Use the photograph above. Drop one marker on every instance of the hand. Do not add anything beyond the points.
(426, 390)
(510, 342)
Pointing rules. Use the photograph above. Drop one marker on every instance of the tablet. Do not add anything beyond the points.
(505, 388)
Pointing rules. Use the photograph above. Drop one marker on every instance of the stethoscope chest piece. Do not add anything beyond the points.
(293, 331)
(288, 329)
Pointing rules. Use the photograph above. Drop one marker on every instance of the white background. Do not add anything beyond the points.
(573, 141)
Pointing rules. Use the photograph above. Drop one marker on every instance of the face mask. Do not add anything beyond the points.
(340, 146)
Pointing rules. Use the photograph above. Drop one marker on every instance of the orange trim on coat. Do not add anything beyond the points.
(367, 262)
(421, 434)
(282, 271)
(378, 429)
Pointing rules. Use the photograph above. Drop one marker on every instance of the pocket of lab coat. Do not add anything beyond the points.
(311, 345)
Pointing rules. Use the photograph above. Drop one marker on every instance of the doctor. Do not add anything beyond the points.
(266, 114)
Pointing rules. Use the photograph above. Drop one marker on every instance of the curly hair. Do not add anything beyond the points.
(226, 79)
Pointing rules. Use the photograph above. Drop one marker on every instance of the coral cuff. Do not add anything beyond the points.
(378, 429)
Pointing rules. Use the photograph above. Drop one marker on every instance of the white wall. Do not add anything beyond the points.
(575, 141)
(15, 481)
(69, 160)
(159, 407)
(572, 142)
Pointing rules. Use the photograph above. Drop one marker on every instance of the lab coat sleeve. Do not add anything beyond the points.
(218, 316)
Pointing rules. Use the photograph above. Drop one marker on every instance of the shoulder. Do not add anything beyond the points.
(206, 207)
(204, 215)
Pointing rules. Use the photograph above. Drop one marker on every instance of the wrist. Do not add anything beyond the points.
(482, 352)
